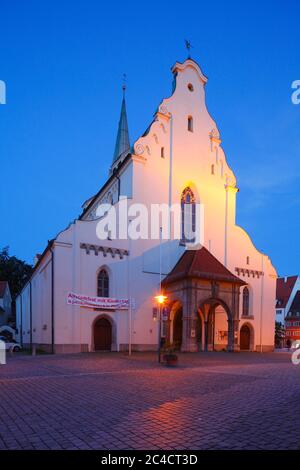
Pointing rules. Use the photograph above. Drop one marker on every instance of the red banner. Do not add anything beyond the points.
(97, 302)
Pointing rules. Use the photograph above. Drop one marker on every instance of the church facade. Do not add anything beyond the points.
(219, 293)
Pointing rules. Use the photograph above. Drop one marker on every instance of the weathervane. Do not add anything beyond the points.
(188, 46)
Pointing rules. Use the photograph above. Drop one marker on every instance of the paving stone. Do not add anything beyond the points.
(112, 401)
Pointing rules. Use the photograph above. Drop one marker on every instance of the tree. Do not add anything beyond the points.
(279, 335)
(14, 270)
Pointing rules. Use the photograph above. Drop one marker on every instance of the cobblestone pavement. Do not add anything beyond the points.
(111, 401)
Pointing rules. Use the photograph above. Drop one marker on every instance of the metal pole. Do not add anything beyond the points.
(129, 297)
(261, 303)
(170, 173)
(159, 332)
(160, 293)
(130, 321)
(160, 259)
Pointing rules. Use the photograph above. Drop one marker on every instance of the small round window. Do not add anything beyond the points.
(190, 87)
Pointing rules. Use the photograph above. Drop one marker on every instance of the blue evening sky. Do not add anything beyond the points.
(63, 62)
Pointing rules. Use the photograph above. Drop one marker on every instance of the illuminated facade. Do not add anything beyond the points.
(224, 294)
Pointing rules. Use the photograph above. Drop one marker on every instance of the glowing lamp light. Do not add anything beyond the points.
(160, 298)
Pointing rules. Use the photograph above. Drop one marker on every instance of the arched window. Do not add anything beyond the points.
(190, 124)
(188, 216)
(245, 302)
(103, 284)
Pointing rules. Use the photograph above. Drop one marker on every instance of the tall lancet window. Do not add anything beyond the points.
(188, 216)
(103, 283)
(246, 295)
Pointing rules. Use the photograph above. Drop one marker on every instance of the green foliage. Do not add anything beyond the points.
(279, 334)
(14, 270)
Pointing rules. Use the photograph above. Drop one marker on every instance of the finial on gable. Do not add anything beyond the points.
(188, 47)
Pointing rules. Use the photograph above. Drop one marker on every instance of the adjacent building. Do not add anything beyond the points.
(292, 321)
(5, 303)
(288, 307)
(286, 289)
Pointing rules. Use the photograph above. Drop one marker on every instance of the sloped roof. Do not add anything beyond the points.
(295, 307)
(284, 289)
(3, 285)
(200, 264)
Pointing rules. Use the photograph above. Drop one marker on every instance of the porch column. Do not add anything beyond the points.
(206, 335)
(230, 346)
(236, 342)
(233, 335)
(189, 321)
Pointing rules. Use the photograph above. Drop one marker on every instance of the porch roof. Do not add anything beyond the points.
(200, 264)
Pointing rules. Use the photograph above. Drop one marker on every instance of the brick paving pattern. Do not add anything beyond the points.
(111, 401)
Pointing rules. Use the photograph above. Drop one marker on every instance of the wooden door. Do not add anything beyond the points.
(245, 338)
(102, 335)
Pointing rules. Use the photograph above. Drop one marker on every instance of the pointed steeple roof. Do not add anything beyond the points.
(122, 147)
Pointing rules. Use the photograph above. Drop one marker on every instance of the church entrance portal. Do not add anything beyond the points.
(245, 338)
(102, 335)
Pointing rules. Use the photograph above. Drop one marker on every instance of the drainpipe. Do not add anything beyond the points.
(226, 226)
(261, 303)
(170, 173)
(52, 301)
(30, 311)
(21, 311)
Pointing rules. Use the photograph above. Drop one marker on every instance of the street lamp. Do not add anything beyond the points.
(160, 300)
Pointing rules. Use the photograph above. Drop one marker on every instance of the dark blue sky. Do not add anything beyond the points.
(63, 62)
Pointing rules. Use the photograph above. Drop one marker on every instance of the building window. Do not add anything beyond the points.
(190, 87)
(103, 284)
(247, 260)
(190, 124)
(245, 302)
(213, 169)
(188, 216)
(162, 152)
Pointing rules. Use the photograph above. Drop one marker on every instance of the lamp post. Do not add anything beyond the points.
(160, 299)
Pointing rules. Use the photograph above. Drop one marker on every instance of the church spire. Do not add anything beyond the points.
(122, 147)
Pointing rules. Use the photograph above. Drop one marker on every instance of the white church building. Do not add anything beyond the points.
(88, 293)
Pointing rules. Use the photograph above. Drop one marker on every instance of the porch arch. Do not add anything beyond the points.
(218, 325)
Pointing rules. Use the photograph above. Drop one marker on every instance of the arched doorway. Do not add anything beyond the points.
(219, 335)
(102, 335)
(177, 329)
(245, 338)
